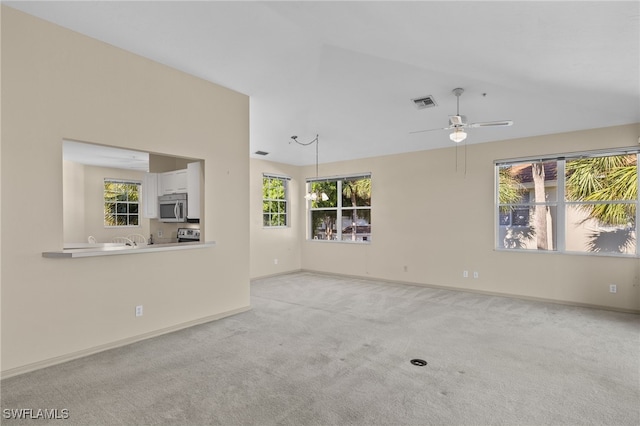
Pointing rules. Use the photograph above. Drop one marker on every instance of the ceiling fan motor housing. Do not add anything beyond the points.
(457, 120)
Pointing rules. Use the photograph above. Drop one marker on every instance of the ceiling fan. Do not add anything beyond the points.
(458, 122)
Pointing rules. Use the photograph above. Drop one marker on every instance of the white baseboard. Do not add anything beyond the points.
(93, 350)
(484, 292)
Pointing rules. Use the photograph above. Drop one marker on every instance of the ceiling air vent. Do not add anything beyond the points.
(424, 102)
(261, 153)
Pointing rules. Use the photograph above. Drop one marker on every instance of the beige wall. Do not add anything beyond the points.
(438, 221)
(83, 206)
(268, 244)
(57, 84)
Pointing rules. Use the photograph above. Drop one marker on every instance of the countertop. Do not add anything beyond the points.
(111, 249)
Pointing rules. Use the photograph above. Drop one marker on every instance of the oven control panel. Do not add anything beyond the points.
(188, 234)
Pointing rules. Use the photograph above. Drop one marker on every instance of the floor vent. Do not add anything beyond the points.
(261, 153)
(424, 102)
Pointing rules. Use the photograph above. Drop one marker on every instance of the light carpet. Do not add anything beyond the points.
(326, 350)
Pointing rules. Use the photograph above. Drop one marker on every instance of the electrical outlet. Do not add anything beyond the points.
(465, 274)
(139, 310)
(475, 274)
(160, 233)
(275, 261)
(613, 288)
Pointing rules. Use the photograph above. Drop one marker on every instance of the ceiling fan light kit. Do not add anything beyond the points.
(458, 135)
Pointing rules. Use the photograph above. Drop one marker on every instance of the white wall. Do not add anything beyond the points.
(438, 221)
(57, 84)
(73, 202)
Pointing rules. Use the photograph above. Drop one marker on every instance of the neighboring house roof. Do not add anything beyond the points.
(524, 173)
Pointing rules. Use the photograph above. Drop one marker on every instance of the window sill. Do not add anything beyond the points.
(570, 253)
(339, 242)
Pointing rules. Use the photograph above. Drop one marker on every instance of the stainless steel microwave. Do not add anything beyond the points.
(172, 208)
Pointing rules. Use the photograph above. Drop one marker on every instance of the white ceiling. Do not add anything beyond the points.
(348, 70)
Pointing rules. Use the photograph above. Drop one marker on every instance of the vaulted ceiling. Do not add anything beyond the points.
(348, 71)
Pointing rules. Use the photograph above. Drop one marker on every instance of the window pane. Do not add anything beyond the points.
(535, 182)
(265, 219)
(356, 192)
(131, 191)
(517, 215)
(323, 225)
(518, 227)
(330, 189)
(133, 208)
(585, 234)
(122, 196)
(133, 220)
(273, 188)
(356, 226)
(602, 178)
(279, 220)
(121, 208)
(121, 220)
(277, 188)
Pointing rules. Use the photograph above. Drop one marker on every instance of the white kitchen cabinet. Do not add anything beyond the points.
(150, 196)
(194, 172)
(173, 182)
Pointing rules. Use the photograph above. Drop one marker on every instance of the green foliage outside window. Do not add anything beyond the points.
(346, 213)
(274, 201)
(612, 178)
(121, 203)
(599, 207)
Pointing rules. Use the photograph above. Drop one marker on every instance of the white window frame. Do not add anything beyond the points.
(104, 200)
(339, 209)
(561, 203)
(285, 181)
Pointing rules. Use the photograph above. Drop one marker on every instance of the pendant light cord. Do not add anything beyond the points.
(316, 141)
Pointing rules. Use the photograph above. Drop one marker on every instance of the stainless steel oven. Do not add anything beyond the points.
(172, 208)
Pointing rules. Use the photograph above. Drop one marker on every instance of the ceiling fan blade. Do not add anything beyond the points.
(503, 123)
(430, 130)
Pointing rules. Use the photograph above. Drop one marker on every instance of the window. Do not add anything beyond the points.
(344, 212)
(527, 205)
(121, 203)
(275, 205)
(584, 203)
